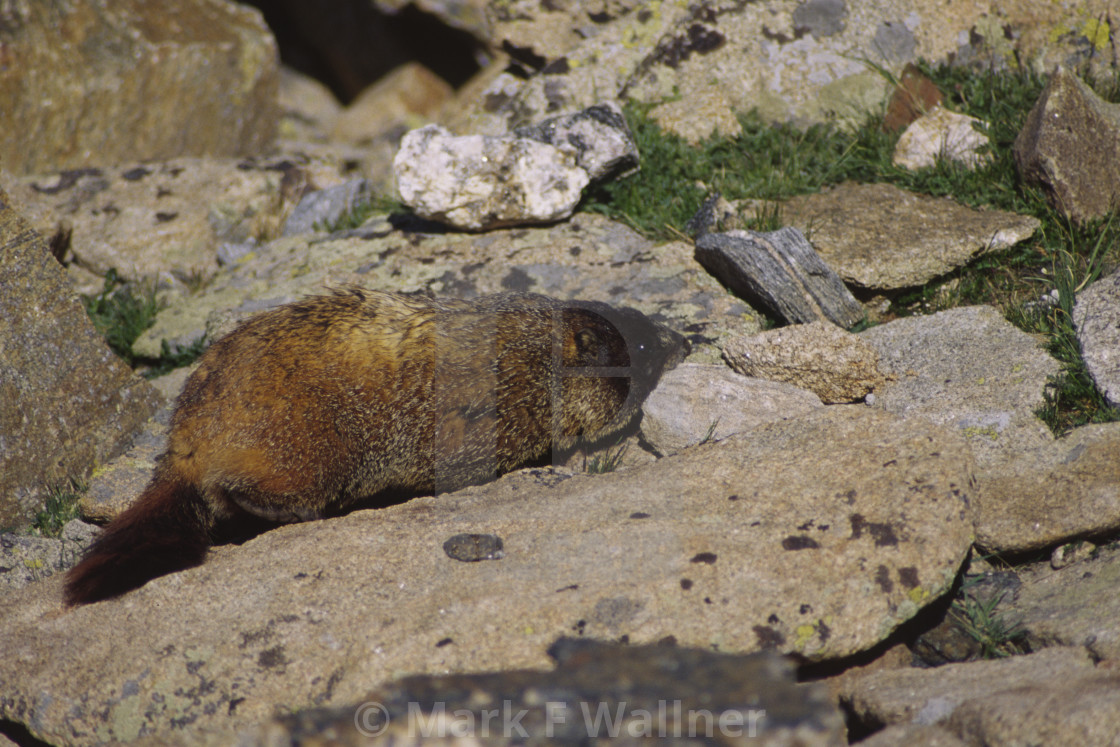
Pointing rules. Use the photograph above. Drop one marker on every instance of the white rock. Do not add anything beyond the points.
(940, 134)
(476, 182)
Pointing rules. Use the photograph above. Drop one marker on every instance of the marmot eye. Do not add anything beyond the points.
(588, 343)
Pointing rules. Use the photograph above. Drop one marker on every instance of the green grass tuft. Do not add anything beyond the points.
(121, 312)
(61, 507)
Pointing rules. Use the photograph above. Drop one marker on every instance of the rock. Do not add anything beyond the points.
(941, 135)
(115, 486)
(912, 735)
(410, 96)
(913, 96)
(1051, 697)
(835, 365)
(1096, 315)
(968, 369)
(1069, 147)
(25, 559)
(1072, 606)
(1053, 493)
(308, 109)
(597, 692)
(587, 256)
(167, 220)
(834, 528)
(704, 114)
(699, 402)
(882, 237)
(598, 136)
(317, 210)
(67, 402)
(475, 182)
(780, 271)
(99, 84)
(797, 61)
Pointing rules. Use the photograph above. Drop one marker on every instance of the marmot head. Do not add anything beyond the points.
(608, 360)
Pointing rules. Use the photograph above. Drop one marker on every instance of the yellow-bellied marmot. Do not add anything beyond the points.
(310, 407)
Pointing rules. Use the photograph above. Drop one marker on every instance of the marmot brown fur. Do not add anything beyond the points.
(311, 407)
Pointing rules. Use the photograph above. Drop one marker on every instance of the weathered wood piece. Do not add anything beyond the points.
(781, 272)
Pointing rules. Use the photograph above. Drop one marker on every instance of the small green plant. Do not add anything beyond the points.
(997, 636)
(606, 460)
(711, 432)
(61, 507)
(361, 212)
(120, 313)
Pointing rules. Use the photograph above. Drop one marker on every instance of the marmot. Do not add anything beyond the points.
(306, 409)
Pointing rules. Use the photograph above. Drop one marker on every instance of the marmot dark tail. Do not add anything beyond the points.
(164, 531)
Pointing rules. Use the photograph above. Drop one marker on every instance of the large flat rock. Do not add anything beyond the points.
(818, 536)
(970, 369)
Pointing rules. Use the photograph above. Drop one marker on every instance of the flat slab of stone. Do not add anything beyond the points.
(1073, 606)
(880, 237)
(1053, 493)
(969, 369)
(1055, 696)
(695, 401)
(818, 535)
(1096, 315)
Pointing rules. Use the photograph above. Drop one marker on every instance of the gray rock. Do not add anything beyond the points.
(117, 484)
(587, 256)
(696, 402)
(1052, 493)
(1075, 605)
(780, 271)
(474, 182)
(67, 402)
(25, 559)
(969, 369)
(1096, 315)
(821, 18)
(1070, 148)
(99, 85)
(882, 237)
(598, 692)
(1055, 696)
(833, 529)
(322, 207)
(599, 137)
(193, 206)
(835, 365)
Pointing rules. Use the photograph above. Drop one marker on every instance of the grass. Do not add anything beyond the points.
(606, 460)
(362, 212)
(61, 507)
(997, 635)
(777, 161)
(121, 312)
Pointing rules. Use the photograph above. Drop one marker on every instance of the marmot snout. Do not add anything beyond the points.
(311, 407)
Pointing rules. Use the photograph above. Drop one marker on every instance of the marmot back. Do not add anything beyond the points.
(308, 408)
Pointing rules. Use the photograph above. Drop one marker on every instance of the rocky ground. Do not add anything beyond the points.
(814, 535)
